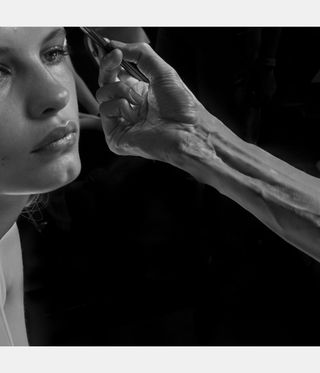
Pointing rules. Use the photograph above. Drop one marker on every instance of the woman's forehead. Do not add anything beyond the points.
(19, 37)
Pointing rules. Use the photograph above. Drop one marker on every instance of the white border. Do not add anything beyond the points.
(159, 13)
(162, 13)
(160, 359)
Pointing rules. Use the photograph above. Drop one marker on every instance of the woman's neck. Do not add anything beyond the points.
(10, 209)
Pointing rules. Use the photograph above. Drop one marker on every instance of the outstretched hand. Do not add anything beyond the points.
(149, 120)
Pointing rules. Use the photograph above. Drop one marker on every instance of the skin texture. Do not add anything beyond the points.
(37, 95)
(165, 122)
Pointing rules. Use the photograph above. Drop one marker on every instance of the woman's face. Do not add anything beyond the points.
(39, 125)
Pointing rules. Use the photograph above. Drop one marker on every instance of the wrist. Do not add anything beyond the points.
(209, 140)
(213, 154)
(202, 145)
(193, 140)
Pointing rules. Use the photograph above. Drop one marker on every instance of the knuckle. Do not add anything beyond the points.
(100, 95)
(122, 87)
(102, 106)
(147, 49)
(115, 147)
(105, 109)
(142, 47)
(145, 46)
(122, 102)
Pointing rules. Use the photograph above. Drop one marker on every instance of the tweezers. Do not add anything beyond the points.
(102, 43)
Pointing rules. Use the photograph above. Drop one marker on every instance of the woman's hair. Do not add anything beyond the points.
(33, 210)
(36, 199)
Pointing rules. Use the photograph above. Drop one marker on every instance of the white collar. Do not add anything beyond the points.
(6, 243)
(10, 233)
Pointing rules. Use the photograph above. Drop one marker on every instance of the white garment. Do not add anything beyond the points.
(12, 321)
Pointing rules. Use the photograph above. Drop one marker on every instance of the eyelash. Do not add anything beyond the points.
(4, 74)
(60, 52)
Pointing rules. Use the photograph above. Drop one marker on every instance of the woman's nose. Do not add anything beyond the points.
(46, 95)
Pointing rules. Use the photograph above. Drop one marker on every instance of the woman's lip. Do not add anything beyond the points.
(55, 135)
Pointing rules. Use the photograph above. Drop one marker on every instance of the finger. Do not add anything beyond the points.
(110, 67)
(113, 123)
(118, 109)
(118, 90)
(126, 77)
(114, 138)
(110, 125)
(147, 60)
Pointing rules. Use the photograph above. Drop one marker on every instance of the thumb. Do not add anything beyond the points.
(147, 60)
(110, 67)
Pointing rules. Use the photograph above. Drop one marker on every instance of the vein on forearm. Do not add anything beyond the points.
(281, 196)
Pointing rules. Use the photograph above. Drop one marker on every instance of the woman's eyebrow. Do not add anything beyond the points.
(56, 32)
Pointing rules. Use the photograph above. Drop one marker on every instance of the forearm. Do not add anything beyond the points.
(172, 126)
(284, 198)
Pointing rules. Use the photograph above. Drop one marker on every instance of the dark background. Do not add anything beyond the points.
(168, 260)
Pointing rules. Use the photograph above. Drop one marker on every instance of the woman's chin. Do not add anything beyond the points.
(43, 179)
(55, 176)
(60, 178)
(66, 178)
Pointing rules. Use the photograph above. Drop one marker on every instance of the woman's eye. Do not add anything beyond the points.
(56, 54)
(4, 74)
